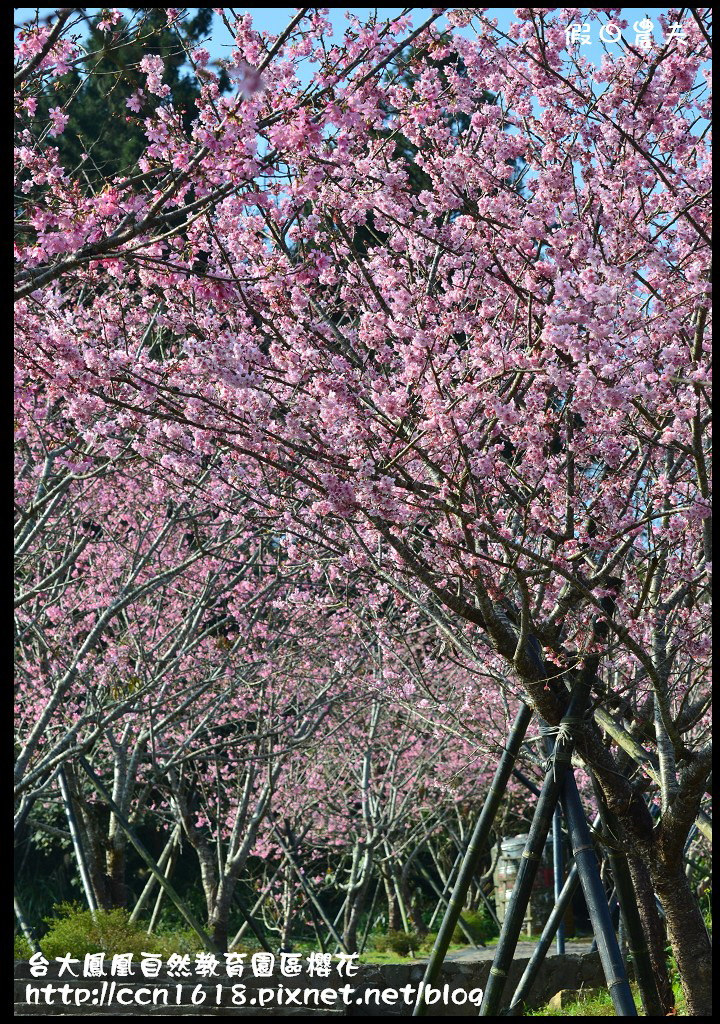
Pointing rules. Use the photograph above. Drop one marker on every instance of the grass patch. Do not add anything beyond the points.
(599, 1004)
(593, 1005)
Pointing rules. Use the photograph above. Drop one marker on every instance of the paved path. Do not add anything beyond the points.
(474, 956)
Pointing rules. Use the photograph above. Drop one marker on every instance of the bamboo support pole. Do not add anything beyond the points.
(151, 882)
(557, 768)
(614, 908)
(527, 783)
(447, 889)
(461, 923)
(489, 907)
(586, 861)
(309, 893)
(253, 910)
(24, 926)
(630, 917)
(474, 852)
(530, 973)
(77, 843)
(524, 986)
(520, 897)
(368, 923)
(168, 869)
(445, 893)
(147, 857)
(251, 923)
(558, 872)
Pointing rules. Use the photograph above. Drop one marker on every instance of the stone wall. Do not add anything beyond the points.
(572, 971)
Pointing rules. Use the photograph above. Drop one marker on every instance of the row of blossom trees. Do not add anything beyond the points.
(421, 345)
(241, 699)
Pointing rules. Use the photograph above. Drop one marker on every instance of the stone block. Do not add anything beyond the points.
(567, 996)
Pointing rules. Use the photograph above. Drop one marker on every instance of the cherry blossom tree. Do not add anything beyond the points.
(489, 397)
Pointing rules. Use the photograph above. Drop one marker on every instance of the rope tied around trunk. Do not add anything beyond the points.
(564, 736)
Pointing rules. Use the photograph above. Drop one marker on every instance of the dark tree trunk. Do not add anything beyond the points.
(116, 863)
(219, 912)
(219, 934)
(688, 937)
(654, 931)
(416, 913)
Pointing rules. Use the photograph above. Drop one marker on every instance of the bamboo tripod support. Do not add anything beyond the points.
(596, 900)
(474, 852)
(559, 787)
(557, 768)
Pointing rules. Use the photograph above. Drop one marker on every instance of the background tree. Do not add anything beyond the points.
(104, 95)
(500, 414)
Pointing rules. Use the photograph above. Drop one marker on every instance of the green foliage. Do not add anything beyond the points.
(50, 883)
(676, 983)
(96, 92)
(706, 908)
(480, 925)
(402, 943)
(22, 948)
(177, 940)
(428, 941)
(251, 946)
(72, 929)
(592, 1004)
(170, 919)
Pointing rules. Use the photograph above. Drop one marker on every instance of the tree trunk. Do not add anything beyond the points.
(115, 860)
(416, 913)
(688, 937)
(394, 921)
(86, 815)
(288, 915)
(356, 903)
(219, 913)
(654, 931)
(661, 848)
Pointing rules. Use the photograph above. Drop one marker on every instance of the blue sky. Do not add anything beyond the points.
(274, 19)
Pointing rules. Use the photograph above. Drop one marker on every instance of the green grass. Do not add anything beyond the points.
(599, 1004)
(373, 956)
(595, 1005)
